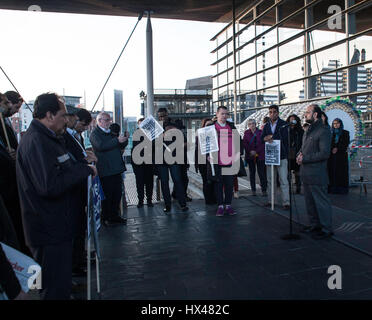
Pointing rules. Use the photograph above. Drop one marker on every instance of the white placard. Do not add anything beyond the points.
(151, 128)
(208, 141)
(25, 268)
(272, 153)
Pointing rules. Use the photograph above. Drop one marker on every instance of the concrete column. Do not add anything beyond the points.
(150, 69)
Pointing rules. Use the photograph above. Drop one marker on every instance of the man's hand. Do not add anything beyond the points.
(91, 157)
(94, 169)
(22, 296)
(269, 138)
(12, 153)
(334, 150)
(299, 158)
(122, 138)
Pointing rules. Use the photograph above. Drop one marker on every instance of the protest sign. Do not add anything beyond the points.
(151, 128)
(208, 141)
(272, 153)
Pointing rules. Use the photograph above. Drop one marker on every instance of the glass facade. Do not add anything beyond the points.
(292, 51)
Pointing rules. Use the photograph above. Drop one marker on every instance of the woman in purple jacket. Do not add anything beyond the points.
(255, 156)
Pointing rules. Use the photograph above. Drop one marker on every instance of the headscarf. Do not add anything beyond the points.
(337, 132)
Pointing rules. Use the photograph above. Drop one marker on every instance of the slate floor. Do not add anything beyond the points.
(197, 255)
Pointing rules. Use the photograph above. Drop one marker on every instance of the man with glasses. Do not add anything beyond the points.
(110, 165)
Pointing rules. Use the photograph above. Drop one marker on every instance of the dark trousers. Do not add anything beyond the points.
(318, 206)
(184, 178)
(224, 184)
(261, 170)
(112, 188)
(208, 186)
(144, 178)
(56, 275)
(78, 248)
(175, 172)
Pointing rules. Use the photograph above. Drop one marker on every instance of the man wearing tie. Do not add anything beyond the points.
(76, 149)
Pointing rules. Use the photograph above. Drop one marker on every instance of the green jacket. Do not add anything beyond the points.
(108, 151)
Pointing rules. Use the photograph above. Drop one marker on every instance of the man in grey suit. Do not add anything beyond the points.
(315, 151)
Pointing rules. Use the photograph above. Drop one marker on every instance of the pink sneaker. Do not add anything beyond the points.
(230, 211)
(219, 212)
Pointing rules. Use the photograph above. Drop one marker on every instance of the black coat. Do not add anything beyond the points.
(46, 174)
(8, 280)
(108, 150)
(78, 154)
(11, 136)
(279, 134)
(338, 169)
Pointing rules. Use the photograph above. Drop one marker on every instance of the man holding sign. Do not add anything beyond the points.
(226, 156)
(276, 129)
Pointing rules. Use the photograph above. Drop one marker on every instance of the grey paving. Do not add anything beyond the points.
(200, 256)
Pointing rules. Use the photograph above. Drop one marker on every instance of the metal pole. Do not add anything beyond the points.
(272, 187)
(149, 64)
(234, 62)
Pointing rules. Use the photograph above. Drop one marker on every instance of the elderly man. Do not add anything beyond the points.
(313, 156)
(110, 167)
(46, 176)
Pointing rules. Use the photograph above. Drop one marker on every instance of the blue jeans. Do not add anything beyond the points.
(175, 171)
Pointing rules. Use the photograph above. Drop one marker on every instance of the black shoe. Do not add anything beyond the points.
(79, 272)
(150, 204)
(311, 229)
(267, 204)
(322, 235)
(286, 207)
(184, 209)
(188, 199)
(167, 209)
(140, 205)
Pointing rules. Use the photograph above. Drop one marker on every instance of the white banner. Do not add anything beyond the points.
(25, 268)
(272, 153)
(208, 141)
(151, 128)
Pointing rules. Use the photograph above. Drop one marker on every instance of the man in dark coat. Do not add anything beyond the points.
(313, 158)
(110, 165)
(8, 181)
(46, 175)
(79, 154)
(174, 169)
(276, 129)
(9, 283)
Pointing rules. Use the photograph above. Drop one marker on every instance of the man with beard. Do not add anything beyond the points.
(313, 158)
(46, 176)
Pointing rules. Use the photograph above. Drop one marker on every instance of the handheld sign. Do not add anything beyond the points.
(25, 268)
(208, 142)
(151, 128)
(272, 157)
(272, 153)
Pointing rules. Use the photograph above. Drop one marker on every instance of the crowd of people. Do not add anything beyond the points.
(43, 181)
